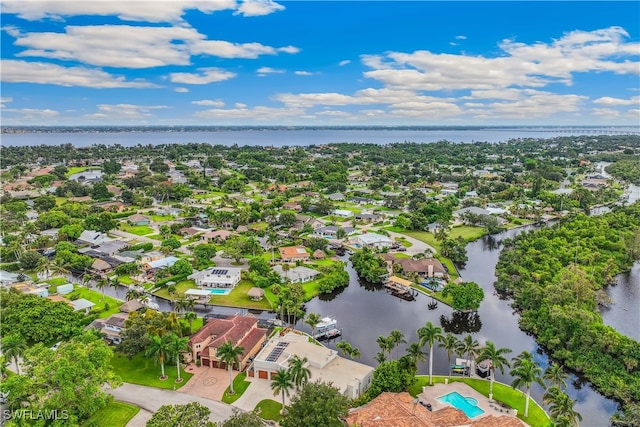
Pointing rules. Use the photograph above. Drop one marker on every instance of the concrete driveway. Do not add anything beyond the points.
(151, 399)
(259, 390)
(207, 382)
(416, 245)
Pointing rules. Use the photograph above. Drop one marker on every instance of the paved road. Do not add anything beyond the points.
(143, 239)
(151, 399)
(416, 247)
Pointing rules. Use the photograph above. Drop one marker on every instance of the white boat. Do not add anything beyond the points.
(327, 328)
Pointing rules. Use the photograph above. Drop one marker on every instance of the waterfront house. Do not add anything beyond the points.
(217, 277)
(350, 377)
(293, 253)
(373, 240)
(298, 274)
(137, 219)
(238, 330)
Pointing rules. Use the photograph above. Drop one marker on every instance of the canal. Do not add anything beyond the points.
(365, 313)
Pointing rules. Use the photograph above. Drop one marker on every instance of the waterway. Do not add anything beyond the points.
(297, 137)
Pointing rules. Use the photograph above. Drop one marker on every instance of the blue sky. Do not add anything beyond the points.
(260, 62)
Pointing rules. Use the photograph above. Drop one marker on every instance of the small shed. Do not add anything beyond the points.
(318, 254)
(256, 294)
(65, 289)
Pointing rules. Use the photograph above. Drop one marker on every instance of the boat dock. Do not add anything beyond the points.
(400, 287)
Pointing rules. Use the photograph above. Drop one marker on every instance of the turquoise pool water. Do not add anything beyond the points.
(468, 405)
(220, 291)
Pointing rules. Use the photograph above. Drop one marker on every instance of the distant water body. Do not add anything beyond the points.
(300, 137)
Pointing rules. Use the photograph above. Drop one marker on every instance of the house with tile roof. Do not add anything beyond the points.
(241, 331)
(293, 253)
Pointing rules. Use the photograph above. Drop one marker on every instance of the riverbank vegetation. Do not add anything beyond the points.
(556, 277)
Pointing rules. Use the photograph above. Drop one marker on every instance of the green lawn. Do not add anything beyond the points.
(453, 273)
(115, 414)
(57, 281)
(501, 392)
(159, 218)
(269, 410)
(197, 323)
(126, 280)
(99, 299)
(77, 169)
(146, 371)
(240, 385)
(181, 287)
(60, 200)
(467, 232)
(138, 230)
(435, 295)
(401, 255)
(238, 297)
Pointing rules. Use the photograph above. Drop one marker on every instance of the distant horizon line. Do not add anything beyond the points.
(293, 127)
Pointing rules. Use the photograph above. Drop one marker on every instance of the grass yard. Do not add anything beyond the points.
(57, 281)
(401, 255)
(159, 218)
(77, 169)
(435, 295)
(238, 297)
(126, 280)
(181, 287)
(60, 200)
(467, 232)
(100, 300)
(138, 230)
(501, 392)
(197, 323)
(240, 385)
(115, 414)
(146, 371)
(269, 410)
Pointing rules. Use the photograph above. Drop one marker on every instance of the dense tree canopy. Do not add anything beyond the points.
(317, 404)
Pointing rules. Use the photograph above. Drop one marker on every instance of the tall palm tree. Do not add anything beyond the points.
(282, 382)
(561, 407)
(176, 346)
(59, 268)
(496, 358)
(380, 357)
(521, 358)
(173, 322)
(132, 294)
(44, 266)
(429, 334)
(414, 351)
(470, 347)
(159, 348)
(556, 375)
(525, 372)
(397, 338)
(312, 320)
(190, 316)
(451, 344)
(13, 347)
(354, 353)
(385, 344)
(100, 284)
(300, 374)
(229, 355)
(115, 284)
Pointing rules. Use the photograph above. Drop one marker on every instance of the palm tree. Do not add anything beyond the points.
(561, 407)
(385, 344)
(173, 322)
(176, 346)
(380, 357)
(556, 375)
(526, 372)
(115, 284)
(13, 347)
(414, 351)
(132, 294)
(100, 284)
(282, 383)
(344, 347)
(355, 352)
(44, 266)
(159, 349)
(229, 355)
(58, 268)
(86, 280)
(451, 344)
(397, 337)
(496, 359)
(469, 346)
(429, 334)
(190, 316)
(300, 374)
(312, 320)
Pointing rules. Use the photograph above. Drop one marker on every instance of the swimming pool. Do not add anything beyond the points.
(216, 291)
(468, 405)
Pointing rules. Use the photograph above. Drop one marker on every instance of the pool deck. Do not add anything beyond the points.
(431, 394)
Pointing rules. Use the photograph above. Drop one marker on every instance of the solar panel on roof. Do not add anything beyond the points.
(218, 271)
(277, 351)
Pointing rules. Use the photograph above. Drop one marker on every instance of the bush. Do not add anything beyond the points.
(176, 278)
(144, 246)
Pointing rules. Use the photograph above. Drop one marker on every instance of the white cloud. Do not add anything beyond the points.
(208, 75)
(123, 112)
(263, 71)
(343, 63)
(535, 65)
(181, 90)
(461, 37)
(606, 113)
(133, 46)
(303, 73)
(14, 71)
(260, 113)
(5, 100)
(258, 8)
(209, 103)
(30, 114)
(635, 100)
(138, 10)
(240, 105)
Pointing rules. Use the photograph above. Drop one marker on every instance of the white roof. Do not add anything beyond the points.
(371, 238)
(163, 262)
(81, 304)
(199, 292)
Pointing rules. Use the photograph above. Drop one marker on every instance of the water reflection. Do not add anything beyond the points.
(460, 323)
